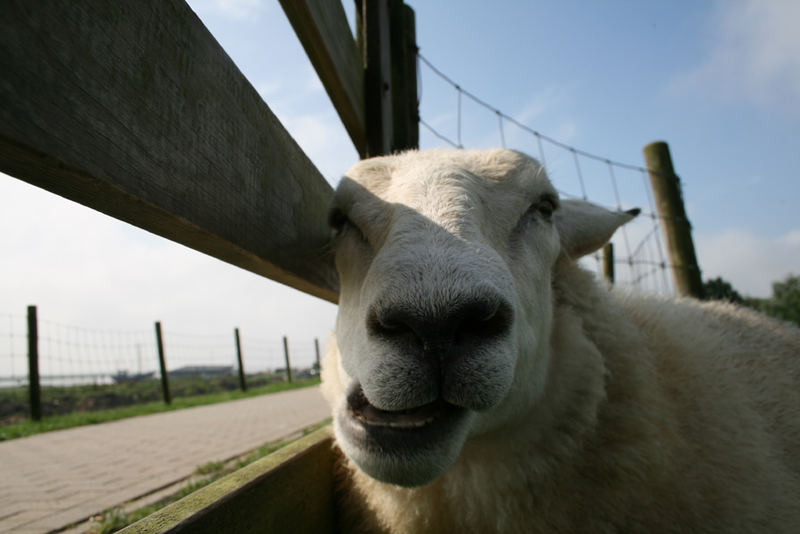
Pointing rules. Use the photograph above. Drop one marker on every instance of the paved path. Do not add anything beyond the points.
(50, 480)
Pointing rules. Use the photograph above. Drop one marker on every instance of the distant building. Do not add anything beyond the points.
(124, 376)
(202, 371)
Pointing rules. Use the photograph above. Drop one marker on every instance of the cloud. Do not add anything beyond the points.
(748, 261)
(230, 9)
(268, 89)
(754, 55)
(540, 103)
(85, 269)
(324, 139)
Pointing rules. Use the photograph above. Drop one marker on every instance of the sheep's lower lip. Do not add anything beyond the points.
(403, 447)
(361, 409)
(398, 432)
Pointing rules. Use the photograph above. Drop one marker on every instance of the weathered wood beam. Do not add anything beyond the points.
(291, 490)
(133, 109)
(321, 26)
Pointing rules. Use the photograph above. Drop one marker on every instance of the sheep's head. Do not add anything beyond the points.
(445, 261)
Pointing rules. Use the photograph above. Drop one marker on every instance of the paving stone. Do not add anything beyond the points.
(54, 479)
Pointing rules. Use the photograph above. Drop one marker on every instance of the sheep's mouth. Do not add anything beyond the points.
(362, 410)
(405, 447)
(373, 427)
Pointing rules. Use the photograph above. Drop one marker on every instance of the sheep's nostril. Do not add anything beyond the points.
(470, 320)
(387, 323)
(484, 319)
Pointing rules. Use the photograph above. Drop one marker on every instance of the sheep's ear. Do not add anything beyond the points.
(584, 227)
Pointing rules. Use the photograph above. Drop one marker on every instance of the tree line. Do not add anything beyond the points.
(784, 303)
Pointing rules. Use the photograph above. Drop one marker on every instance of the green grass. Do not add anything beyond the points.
(118, 517)
(59, 422)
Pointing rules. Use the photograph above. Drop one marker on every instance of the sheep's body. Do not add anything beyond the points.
(653, 416)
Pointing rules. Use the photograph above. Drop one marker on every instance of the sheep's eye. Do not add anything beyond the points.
(342, 225)
(337, 220)
(545, 208)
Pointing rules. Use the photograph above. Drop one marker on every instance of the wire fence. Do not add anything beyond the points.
(640, 253)
(71, 355)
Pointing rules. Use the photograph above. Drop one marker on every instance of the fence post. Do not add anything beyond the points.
(608, 263)
(386, 37)
(674, 223)
(286, 357)
(242, 383)
(377, 75)
(162, 364)
(316, 351)
(405, 106)
(34, 390)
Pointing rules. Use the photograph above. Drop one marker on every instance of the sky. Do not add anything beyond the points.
(718, 80)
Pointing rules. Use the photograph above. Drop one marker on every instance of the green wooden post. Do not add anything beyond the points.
(675, 224)
(34, 389)
(608, 263)
(316, 351)
(242, 383)
(162, 364)
(286, 357)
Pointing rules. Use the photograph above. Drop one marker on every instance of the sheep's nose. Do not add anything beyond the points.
(440, 327)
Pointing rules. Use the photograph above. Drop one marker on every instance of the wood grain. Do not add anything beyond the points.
(133, 109)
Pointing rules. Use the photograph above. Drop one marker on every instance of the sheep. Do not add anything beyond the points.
(481, 381)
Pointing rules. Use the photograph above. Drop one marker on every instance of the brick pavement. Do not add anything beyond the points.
(50, 480)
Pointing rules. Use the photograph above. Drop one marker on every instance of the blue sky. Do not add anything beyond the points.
(719, 81)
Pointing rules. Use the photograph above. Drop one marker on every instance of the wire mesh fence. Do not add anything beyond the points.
(70, 356)
(640, 255)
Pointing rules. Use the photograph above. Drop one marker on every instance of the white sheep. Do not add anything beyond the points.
(481, 381)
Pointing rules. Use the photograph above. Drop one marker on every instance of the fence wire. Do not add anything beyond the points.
(581, 175)
(72, 355)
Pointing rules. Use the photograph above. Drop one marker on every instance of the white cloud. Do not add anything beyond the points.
(540, 103)
(85, 269)
(754, 55)
(749, 262)
(323, 138)
(231, 9)
(268, 89)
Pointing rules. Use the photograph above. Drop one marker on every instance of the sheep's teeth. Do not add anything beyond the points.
(401, 424)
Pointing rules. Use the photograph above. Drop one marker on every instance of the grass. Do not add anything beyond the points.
(68, 420)
(119, 517)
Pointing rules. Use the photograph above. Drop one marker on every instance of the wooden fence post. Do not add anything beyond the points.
(674, 223)
(34, 389)
(286, 357)
(242, 383)
(162, 364)
(386, 37)
(405, 106)
(316, 351)
(377, 75)
(608, 263)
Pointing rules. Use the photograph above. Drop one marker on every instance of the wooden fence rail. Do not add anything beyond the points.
(133, 109)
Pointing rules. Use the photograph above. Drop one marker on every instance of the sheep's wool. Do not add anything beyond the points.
(481, 381)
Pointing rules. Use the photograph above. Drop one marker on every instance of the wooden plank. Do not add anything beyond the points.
(133, 109)
(321, 26)
(291, 490)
